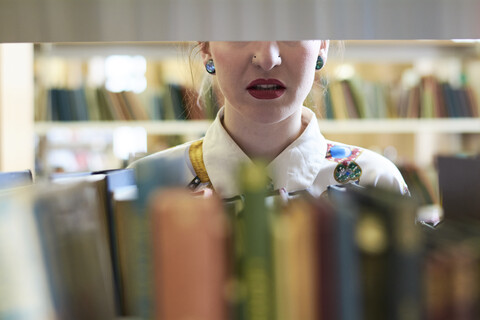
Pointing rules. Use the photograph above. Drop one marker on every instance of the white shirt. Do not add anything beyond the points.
(309, 162)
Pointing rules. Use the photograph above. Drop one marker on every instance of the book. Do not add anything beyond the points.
(106, 109)
(79, 105)
(134, 105)
(301, 268)
(125, 223)
(390, 245)
(93, 105)
(342, 294)
(351, 104)
(150, 176)
(24, 287)
(14, 179)
(120, 110)
(76, 250)
(106, 181)
(338, 101)
(178, 101)
(190, 278)
(458, 185)
(256, 263)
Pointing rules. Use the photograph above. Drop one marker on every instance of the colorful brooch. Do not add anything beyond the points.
(347, 171)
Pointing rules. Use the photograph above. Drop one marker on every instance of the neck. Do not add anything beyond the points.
(265, 141)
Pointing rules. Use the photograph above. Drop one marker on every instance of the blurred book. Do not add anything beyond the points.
(390, 246)
(106, 181)
(458, 184)
(13, 179)
(24, 287)
(189, 254)
(75, 245)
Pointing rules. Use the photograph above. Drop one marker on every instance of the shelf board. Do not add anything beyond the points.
(412, 126)
(193, 127)
(358, 126)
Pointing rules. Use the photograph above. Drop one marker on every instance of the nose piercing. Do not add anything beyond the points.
(255, 57)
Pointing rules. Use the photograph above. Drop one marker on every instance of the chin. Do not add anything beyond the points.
(271, 115)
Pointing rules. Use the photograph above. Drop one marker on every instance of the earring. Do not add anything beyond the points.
(210, 66)
(319, 64)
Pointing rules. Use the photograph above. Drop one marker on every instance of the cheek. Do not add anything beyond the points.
(220, 57)
(305, 66)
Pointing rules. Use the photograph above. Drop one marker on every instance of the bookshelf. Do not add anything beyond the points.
(392, 62)
(360, 126)
(131, 20)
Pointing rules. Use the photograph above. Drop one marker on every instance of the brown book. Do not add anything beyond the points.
(117, 108)
(135, 106)
(301, 249)
(465, 275)
(438, 286)
(413, 108)
(472, 102)
(350, 103)
(327, 260)
(338, 101)
(189, 254)
(295, 262)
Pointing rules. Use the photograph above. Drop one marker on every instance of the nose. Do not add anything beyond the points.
(266, 55)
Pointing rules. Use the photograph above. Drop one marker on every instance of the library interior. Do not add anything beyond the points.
(114, 206)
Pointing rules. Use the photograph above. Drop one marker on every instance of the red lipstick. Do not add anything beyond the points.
(266, 88)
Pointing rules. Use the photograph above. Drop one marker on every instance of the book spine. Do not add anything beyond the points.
(257, 269)
(150, 177)
(189, 277)
(24, 286)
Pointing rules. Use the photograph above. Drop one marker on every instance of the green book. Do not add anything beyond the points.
(254, 228)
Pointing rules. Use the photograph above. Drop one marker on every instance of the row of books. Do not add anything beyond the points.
(174, 102)
(345, 99)
(431, 98)
(100, 245)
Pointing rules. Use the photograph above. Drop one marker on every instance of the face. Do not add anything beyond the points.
(265, 82)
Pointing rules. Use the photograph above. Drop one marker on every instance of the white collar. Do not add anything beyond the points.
(295, 168)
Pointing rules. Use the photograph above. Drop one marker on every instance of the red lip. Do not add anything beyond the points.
(266, 88)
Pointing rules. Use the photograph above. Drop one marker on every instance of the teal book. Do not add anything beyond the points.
(78, 102)
(150, 176)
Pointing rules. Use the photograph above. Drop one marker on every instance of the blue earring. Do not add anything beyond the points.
(319, 64)
(210, 66)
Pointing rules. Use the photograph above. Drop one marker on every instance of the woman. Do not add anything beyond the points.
(264, 85)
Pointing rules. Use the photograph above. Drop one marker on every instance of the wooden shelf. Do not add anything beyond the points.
(379, 126)
(186, 127)
(412, 126)
(147, 20)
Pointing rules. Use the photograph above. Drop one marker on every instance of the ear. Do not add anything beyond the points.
(205, 51)
(323, 52)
